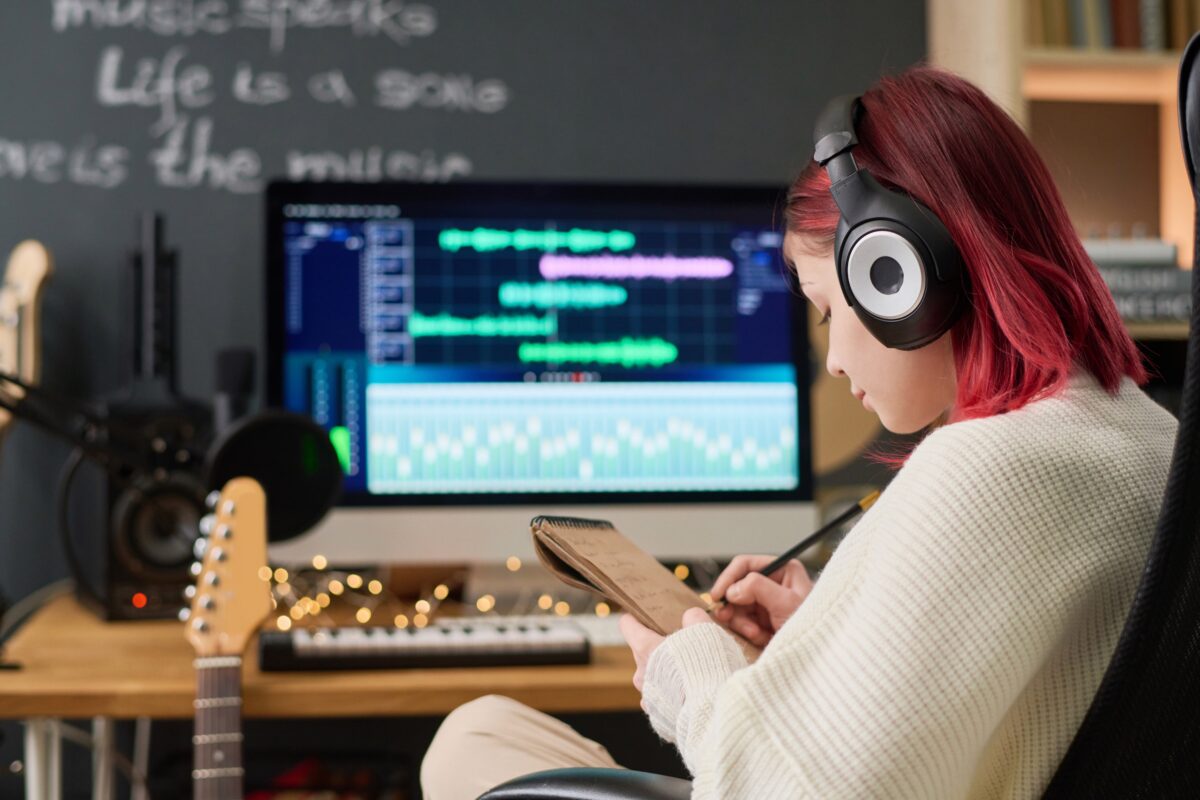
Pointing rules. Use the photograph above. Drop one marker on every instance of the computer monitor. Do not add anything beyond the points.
(484, 353)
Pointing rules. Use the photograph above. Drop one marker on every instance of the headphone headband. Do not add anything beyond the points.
(834, 135)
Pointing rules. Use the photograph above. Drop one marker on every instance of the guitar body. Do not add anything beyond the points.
(21, 288)
(229, 602)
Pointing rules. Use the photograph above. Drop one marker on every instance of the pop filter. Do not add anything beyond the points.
(291, 457)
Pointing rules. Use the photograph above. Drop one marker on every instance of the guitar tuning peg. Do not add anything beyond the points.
(206, 524)
(199, 547)
(195, 569)
(212, 499)
(189, 591)
(185, 614)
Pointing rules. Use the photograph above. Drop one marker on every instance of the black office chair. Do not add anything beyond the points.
(1141, 735)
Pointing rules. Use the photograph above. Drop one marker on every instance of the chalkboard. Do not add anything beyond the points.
(188, 107)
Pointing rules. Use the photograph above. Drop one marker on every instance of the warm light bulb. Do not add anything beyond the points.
(363, 615)
(375, 587)
(264, 573)
(335, 587)
(281, 575)
(441, 591)
(296, 612)
(562, 608)
(284, 623)
(323, 600)
(602, 610)
(682, 571)
(545, 602)
(320, 562)
(513, 563)
(354, 581)
(422, 606)
(420, 620)
(485, 603)
(401, 621)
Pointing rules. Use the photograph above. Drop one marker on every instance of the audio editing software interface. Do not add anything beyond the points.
(515, 355)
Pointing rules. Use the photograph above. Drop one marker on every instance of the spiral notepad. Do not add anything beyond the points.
(592, 554)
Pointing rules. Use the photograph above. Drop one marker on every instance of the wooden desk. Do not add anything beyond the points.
(76, 666)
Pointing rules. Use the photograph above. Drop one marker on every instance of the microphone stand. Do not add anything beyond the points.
(104, 441)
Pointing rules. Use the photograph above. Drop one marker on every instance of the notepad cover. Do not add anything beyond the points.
(594, 555)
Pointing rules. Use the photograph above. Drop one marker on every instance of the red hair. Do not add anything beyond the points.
(1038, 306)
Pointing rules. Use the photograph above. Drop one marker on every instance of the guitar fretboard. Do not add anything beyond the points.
(217, 743)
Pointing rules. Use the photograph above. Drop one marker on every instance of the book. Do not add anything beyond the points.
(1153, 21)
(1127, 31)
(1150, 293)
(1131, 251)
(592, 554)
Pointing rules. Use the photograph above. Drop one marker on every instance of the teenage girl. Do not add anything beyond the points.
(957, 636)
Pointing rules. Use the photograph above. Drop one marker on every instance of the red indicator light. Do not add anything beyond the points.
(139, 600)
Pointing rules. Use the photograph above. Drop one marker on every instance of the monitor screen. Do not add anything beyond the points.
(509, 343)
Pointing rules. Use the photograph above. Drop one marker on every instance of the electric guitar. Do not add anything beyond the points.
(20, 317)
(229, 601)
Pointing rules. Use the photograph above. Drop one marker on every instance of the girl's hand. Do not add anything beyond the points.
(757, 605)
(643, 641)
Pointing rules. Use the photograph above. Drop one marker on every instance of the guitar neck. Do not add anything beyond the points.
(217, 744)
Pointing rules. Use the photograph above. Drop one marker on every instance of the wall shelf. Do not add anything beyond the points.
(1124, 77)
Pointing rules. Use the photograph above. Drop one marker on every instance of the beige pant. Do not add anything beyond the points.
(488, 741)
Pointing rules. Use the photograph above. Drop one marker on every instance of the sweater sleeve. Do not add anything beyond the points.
(917, 641)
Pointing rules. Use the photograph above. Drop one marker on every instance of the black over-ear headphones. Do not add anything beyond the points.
(899, 269)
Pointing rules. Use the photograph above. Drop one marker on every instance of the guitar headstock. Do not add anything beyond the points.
(231, 597)
(28, 267)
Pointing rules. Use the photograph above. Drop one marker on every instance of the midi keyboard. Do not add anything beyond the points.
(449, 642)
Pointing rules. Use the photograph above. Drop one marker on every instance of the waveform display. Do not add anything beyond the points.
(655, 436)
(577, 240)
(487, 325)
(611, 267)
(627, 352)
(339, 435)
(565, 294)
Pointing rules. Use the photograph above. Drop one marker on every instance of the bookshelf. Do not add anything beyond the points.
(1104, 119)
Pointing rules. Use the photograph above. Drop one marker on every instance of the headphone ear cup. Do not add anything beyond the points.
(885, 275)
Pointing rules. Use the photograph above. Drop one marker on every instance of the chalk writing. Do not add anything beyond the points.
(399, 21)
(154, 84)
(173, 85)
(374, 164)
(401, 90)
(263, 88)
(85, 163)
(183, 164)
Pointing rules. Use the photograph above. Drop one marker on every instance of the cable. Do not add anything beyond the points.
(65, 478)
(28, 604)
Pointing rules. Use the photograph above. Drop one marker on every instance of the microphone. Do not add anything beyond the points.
(291, 457)
(235, 385)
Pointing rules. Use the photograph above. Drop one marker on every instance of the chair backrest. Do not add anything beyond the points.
(1141, 735)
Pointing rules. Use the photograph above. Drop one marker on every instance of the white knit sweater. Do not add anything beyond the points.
(955, 640)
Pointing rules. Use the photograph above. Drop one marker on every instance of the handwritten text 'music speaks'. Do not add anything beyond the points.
(397, 20)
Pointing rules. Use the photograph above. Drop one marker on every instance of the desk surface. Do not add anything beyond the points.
(75, 665)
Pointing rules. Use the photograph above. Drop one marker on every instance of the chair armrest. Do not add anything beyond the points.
(586, 783)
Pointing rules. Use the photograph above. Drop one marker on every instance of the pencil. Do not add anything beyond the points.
(847, 515)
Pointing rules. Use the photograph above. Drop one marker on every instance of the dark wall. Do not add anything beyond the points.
(104, 116)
